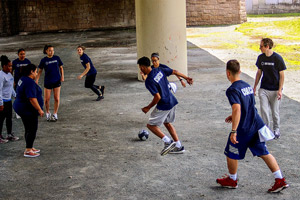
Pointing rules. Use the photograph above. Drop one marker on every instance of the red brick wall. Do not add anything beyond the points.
(69, 15)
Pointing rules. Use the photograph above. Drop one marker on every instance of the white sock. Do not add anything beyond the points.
(55, 115)
(166, 139)
(233, 176)
(277, 174)
(178, 144)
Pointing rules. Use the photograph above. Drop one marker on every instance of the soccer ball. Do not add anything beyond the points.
(143, 135)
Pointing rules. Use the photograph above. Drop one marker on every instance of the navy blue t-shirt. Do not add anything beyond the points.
(16, 67)
(27, 88)
(241, 93)
(52, 69)
(157, 82)
(270, 66)
(160, 65)
(84, 59)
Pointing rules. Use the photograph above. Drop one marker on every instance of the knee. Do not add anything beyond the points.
(167, 125)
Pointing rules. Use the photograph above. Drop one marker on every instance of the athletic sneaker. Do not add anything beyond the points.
(99, 98)
(11, 137)
(168, 147)
(18, 116)
(279, 185)
(177, 150)
(30, 154)
(35, 150)
(227, 182)
(102, 89)
(277, 134)
(48, 116)
(3, 141)
(54, 118)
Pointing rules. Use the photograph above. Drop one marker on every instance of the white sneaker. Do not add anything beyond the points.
(18, 116)
(54, 118)
(48, 116)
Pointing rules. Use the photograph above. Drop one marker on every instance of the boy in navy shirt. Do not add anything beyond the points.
(164, 113)
(271, 67)
(246, 129)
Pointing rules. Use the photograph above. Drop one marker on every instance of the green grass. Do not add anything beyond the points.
(275, 15)
(286, 31)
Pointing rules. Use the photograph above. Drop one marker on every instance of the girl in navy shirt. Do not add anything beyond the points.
(29, 105)
(54, 75)
(90, 72)
(17, 64)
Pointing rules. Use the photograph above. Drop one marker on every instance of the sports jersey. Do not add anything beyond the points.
(270, 66)
(27, 88)
(6, 87)
(160, 65)
(157, 82)
(52, 69)
(241, 93)
(16, 67)
(84, 59)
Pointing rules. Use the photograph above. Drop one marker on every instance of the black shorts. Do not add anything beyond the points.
(90, 80)
(52, 85)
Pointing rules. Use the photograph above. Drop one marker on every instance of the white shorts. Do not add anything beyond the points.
(158, 117)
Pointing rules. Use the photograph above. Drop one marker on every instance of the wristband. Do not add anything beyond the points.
(233, 131)
(180, 79)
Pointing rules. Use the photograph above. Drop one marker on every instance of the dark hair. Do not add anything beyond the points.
(83, 48)
(268, 42)
(20, 50)
(155, 55)
(4, 60)
(46, 47)
(26, 70)
(233, 66)
(144, 61)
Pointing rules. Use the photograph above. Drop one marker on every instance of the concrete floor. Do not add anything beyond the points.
(92, 151)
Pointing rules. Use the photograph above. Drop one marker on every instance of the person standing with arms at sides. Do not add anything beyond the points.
(271, 68)
(90, 72)
(54, 75)
(164, 113)
(6, 92)
(17, 64)
(29, 105)
(156, 64)
(247, 130)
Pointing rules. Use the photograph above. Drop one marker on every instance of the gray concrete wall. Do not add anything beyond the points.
(273, 6)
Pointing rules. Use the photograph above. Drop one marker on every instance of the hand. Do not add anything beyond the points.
(189, 80)
(228, 119)
(183, 83)
(279, 94)
(145, 109)
(79, 77)
(62, 79)
(1, 108)
(233, 138)
(41, 113)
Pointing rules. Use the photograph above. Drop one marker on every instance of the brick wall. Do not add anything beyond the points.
(215, 12)
(8, 17)
(69, 15)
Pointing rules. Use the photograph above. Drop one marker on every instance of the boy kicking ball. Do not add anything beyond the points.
(164, 113)
(246, 127)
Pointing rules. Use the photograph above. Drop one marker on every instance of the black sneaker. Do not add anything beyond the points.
(102, 88)
(168, 147)
(177, 150)
(99, 98)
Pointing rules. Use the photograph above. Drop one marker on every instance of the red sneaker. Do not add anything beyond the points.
(227, 182)
(279, 185)
(30, 154)
(35, 150)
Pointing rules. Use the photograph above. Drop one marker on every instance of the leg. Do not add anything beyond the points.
(229, 181)
(264, 106)
(275, 104)
(8, 108)
(31, 126)
(172, 131)
(47, 95)
(2, 118)
(232, 165)
(56, 92)
(156, 130)
(271, 162)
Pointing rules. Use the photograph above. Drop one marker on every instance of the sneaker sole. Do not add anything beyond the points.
(177, 152)
(230, 187)
(279, 189)
(167, 150)
(29, 156)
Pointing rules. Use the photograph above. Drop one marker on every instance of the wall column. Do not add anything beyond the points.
(161, 27)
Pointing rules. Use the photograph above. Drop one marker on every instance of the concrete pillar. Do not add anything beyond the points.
(161, 27)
